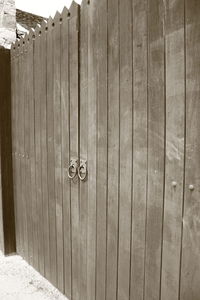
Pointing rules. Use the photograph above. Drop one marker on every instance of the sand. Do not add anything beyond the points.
(19, 281)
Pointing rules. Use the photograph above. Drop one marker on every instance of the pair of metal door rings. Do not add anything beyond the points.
(77, 168)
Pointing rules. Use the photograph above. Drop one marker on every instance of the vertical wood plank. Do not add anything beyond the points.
(37, 213)
(113, 149)
(156, 148)
(190, 271)
(39, 73)
(44, 169)
(92, 155)
(101, 174)
(30, 115)
(65, 150)
(14, 131)
(32, 148)
(21, 147)
(174, 170)
(140, 114)
(18, 99)
(50, 149)
(83, 132)
(17, 222)
(26, 153)
(126, 57)
(57, 149)
(74, 144)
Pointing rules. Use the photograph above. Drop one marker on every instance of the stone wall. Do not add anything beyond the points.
(7, 23)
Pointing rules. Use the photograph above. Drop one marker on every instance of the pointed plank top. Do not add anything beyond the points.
(65, 12)
(38, 30)
(26, 39)
(74, 8)
(49, 23)
(21, 45)
(85, 3)
(31, 34)
(56, 17)
(43, 26)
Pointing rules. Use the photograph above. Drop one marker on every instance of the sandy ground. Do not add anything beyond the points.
(19, 281)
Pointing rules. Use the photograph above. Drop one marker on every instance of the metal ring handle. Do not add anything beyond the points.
(83, 166)
(73, 165)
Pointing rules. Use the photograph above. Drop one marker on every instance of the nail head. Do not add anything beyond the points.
(174, 183)
(191, 187)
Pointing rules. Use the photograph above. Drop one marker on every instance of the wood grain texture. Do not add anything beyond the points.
(117, 84)
(18, 237)
(50, 152)
(31, 84)
(125, 194)
(57, 149)
(21, 151)
(14, 66)
(140, 146)
(43, 136)
(83, 136)
(113, 150)
(29, 142)
(102, 159)
(190, 270)
(26, 151)
(38, 73)
(92, 154)
(74, 145)
(174, 170)
(65, 150)
(156, 149)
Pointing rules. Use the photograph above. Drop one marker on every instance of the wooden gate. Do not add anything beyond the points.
(45, 136)
(110, 90)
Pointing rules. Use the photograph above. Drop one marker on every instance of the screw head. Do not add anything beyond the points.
(174, 183)
(191, 187)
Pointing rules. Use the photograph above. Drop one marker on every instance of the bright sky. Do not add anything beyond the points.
(44, 8)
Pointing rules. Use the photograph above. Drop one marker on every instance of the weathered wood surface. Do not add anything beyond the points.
(190, 268)
(65, 151)
(140, 148)
(174, 155)
(83, 140)
(115, 84)
(113, 149)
